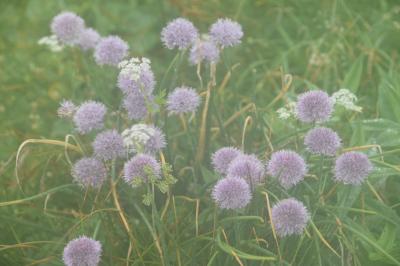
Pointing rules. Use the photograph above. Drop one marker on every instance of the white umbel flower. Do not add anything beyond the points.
(347, 99)
(136, 137)
(287, 111)
(52, 43)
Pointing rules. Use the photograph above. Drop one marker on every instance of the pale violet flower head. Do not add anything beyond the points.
(108, 145)
(314, 106)
(352, 168)
(347, 99)
(288, 167)
(290, 217)
(88, 39)
(52, 43)
(143, 138)
(82, 251)
(232, 193)
(136, 77)
(249, 167)
(183, 100)
(223, 157)
(67, 109)
(110, 51)
(67, 26)
(322, 141)
(226, 32)
(89, 116)
(204, 50)
(138, 106)
(142, 167)
(89, 172)
(179, 33)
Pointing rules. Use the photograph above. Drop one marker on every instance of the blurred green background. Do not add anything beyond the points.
(329, 44)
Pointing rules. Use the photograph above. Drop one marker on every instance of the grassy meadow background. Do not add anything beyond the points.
(328, 44)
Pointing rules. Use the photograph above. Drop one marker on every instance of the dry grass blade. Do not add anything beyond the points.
(323, 240)
(272, 225)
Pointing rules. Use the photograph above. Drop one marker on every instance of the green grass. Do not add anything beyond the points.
(326, 44)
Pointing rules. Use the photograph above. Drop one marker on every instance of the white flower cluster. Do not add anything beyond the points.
(52, 43)
(347, 99)
(134, 67)
(289, 110)
(136, 137)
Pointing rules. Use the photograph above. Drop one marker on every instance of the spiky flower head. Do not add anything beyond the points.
(110, 51)
(289, 217)
(89, 116)
(179, 33)
(140, 168)
(322, 141)
(204, 50)
(314, 106)
(249, 167)
(89, 172)
(137, 106)
(108, 145)
(288, 167)
(352, 168)
(67, 109)
(232, 193)
(183, 100)
(226, 32)
(143, 138)
(136, 77)
(67, 26)
(223, 157)
(82, 251)
(88, 39)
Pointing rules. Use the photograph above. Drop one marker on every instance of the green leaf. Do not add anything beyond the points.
(352, 79)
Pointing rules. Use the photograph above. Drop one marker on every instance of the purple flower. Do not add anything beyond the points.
(248, 167)
(89, 116)
(137, 107)
(108, 145)
(352, 168)
(182, 100)
(323, 141)
(179, 33)
(289, 217)
(67, 26)
(226, 32)
(204, 50)
(223, 157)
(66, 109)
(88, 39)
(141, 167)
(289, 167)
(110, 51)
(89, 172)
(231, 193)
(82, 251)
(314, 106)
(136, 77)
(156, 141)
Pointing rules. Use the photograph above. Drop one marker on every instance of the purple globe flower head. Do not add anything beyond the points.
(67, 26)
(66, 109)
(137, 106)
(314, 106)
(110, 51)
(352, 168)
(139, 166)
(136, 77)
(89, 172)
(88, 39)
(179, 33)
(183, 100)
(108, 145)
(232, 193)
(204, 50)
(322, 141)
(248, 167)
(289, 217)
(89, 116)
(223, 157)
(226, 32)
(289, 167)
(156, 141)
(82, 251)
